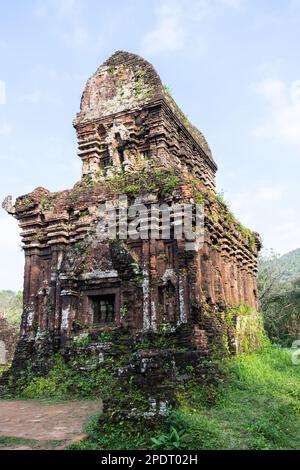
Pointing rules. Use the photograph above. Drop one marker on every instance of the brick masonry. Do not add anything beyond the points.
(130, 127)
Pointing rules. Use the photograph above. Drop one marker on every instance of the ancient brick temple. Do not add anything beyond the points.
(134, 140)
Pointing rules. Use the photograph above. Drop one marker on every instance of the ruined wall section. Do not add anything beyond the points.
(65, 261)
(131, 140)
(228, 258)
(183, 152)
(127, 116)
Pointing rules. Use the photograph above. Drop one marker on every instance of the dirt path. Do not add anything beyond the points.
(30, 424)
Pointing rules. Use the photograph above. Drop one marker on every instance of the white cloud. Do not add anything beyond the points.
(169, 33)
(264, 209)
(5, 129)
(282, 118)
(271, 89)
(281, 229)
(66, 17)
(175, 20)
(70, 12)
(269, 194)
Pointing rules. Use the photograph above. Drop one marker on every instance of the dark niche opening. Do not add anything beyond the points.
(169, 252)
(103, 308)
(120, 147)
(167, 301)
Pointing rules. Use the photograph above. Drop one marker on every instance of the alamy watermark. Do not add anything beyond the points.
(2, 92)
(119, 219)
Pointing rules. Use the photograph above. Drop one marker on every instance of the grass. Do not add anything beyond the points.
(121, 435)
(13, 442)
(258, 408)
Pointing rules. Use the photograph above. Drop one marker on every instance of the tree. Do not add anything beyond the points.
(11, 304)
(270, 278)
(279, 297)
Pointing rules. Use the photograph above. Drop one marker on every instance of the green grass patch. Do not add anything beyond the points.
(258, 408)
(12, 442)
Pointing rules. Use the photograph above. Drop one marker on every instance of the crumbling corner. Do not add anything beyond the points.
(8, 206)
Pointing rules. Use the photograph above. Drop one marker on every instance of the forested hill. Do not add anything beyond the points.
(290, 264)
(279, 296)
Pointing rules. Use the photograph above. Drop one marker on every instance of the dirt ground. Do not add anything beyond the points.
(30, 424)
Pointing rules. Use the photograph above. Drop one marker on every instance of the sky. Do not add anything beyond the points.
(232, 65)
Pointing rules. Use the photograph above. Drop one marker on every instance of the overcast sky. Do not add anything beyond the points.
(232, 65)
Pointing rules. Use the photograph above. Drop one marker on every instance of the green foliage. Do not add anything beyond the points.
(279, 295)
(120, 435)
(221, 200)
(124, 311)
(8, 441)
(165, 339)
(252, 241)
(257, 409)
(142, 90)
(48, 202)
(246, 233)
(241, 310)
(248, 326)
(68, 380)
(105, 336)
(78, 325)
(167, 90)
(86, 182)
(162, 181)
(199, 198)
(166, 327)
(174, 440)
(4, 369)
(231, 220)
(203, 432)
(82, 340)
(215, 217)
(140, 73)
(170, 184)
(290, 265)
(282, 314)
(11, 305)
